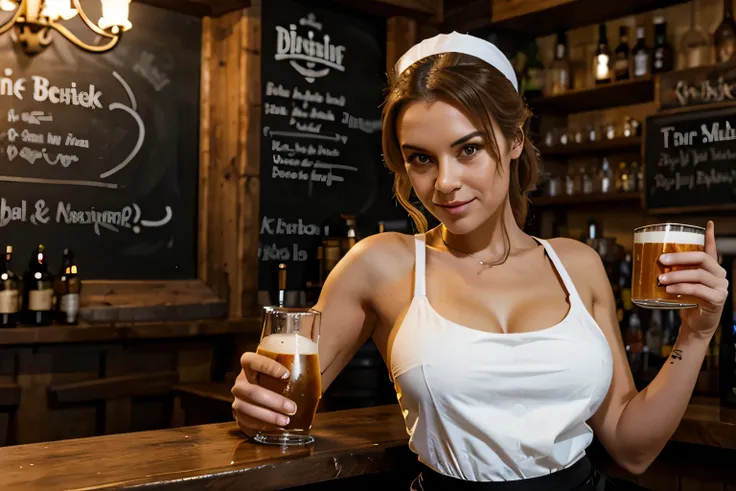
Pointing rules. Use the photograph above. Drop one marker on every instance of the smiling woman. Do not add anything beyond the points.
(504, 349)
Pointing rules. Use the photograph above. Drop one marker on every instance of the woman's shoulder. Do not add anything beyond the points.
(574, 251)
(582, 263)
(385, 247)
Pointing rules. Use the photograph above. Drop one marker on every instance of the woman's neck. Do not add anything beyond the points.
(491, 241)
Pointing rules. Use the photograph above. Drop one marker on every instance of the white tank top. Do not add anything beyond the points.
(483, 406)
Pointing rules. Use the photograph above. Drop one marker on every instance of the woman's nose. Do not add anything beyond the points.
(448, 177)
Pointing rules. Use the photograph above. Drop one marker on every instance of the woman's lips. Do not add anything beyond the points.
(455, 207)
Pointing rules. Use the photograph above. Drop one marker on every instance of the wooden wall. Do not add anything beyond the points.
(229, 160)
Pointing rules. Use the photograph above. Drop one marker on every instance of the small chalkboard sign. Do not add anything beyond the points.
(322, 76)
(690, 160)
(99, 152)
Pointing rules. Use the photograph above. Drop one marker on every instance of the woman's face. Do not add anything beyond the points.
(451, 167)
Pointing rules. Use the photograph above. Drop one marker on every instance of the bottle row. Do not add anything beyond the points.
(593, 132)
(641, 61)
(39, 298)
(596, 178)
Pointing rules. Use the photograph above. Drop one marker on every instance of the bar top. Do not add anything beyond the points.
(216, 456)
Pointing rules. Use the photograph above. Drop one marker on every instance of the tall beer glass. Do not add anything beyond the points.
(291, 337)
(650, 242)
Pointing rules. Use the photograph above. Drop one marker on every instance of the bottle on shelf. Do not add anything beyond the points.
(641, 55)
(602, 58)
(622, 177)
(630, 185)
(559, 72)
(587, 180)
(9, 291)
(605, 177)
(662, 55)
(38, 291)
(622, 59)
(67, 287)
(724, 37)
(694, 45)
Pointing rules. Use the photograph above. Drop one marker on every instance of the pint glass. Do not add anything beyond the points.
(291, 337)
(650, 242)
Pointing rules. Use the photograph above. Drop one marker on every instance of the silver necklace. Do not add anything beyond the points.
(484, 265)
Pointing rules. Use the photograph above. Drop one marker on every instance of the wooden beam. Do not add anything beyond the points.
(229, 157)
(465, 15)
(200, 8)
(425, 10)
(401, 34)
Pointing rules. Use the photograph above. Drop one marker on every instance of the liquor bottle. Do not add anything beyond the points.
(724, 37)
(9, 291)
(662, 57)
(67, 287)
(602, 58)
(282, 285)
(605, 177)
(38, 292)
(622, 61)
(694, 46)
(641, 55)
(559, 72)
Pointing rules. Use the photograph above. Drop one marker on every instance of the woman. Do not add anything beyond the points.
(504, 349)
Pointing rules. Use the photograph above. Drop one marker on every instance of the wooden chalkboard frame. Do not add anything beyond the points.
(674, 112)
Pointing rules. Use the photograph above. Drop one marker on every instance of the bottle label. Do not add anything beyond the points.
(641, 62)
(9, 301)
(40, 300)
(70, 306)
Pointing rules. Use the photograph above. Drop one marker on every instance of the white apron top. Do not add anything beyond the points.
(483, 406)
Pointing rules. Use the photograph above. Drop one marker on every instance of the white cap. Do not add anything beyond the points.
(458, 43)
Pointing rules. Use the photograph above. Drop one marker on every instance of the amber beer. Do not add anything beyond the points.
(290, 336)
(650, 242)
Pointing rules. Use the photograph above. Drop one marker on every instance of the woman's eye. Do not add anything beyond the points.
(469, 150)
(419, 158)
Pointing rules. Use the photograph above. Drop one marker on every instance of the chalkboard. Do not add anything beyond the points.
(322, 76)
(99, 152)
(690, 160)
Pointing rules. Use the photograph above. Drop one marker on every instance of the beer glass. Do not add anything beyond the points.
(650, 242)
(291, 337)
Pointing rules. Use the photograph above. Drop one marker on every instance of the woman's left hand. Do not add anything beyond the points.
(707, 282)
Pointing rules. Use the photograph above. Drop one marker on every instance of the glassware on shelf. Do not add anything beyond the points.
(622, 176)
(630, 185)
(587, 180)
(605, 177)
(695, 46)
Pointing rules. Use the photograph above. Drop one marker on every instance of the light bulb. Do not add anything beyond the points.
(115, 15)
(58, 9)
(8, 5)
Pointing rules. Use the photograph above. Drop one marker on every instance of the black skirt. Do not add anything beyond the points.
(579, 477)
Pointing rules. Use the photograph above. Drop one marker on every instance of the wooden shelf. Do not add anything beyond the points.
(611, 95)
(582, 199)
(615, 145)
(200, 8)
(533, 20)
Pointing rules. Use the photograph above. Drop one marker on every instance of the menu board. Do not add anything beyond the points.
(322, 76)
(98, 152)
(691, 160)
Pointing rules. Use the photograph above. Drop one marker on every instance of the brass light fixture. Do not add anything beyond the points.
(34, 19)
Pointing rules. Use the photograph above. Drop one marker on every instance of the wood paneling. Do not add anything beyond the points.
(200, 8)
(229, 160)
(425, 10)
(401, 34)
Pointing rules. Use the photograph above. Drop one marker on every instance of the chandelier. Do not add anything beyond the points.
(34, 19)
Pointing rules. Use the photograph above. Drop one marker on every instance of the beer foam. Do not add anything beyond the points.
(670, 237)
(289, 344)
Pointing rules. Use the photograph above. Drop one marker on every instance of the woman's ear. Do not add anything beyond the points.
(517, 145)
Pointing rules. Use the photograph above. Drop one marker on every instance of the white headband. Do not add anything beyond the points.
(458, 43)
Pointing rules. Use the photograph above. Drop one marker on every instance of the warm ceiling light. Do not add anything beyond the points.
(34, 19)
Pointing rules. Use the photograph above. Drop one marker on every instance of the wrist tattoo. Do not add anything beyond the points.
(676, 355)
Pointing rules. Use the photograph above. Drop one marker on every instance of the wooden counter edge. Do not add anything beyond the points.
(84, 333)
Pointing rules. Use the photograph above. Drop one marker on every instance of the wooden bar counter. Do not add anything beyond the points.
(356, 442)
(214, 457)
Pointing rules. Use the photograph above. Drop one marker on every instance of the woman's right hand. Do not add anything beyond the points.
(256, 408)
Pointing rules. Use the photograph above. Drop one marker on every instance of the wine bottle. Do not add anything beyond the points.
(67, 287)
(641, 55)
(622, 61)
(38, 292)
(9, 291)
(663, 57)
(602, 58)
(559, 72)
(724, 37)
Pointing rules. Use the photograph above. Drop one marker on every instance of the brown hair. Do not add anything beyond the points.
(482, 93)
